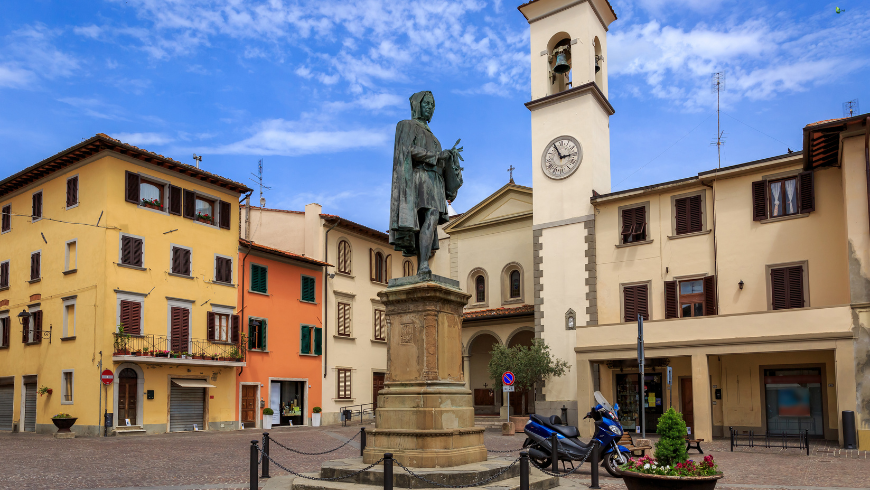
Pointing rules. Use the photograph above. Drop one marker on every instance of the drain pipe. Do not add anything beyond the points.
(325, 296)
(715, 245)
(242, 268)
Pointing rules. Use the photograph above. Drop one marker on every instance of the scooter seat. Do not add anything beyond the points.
(565, 430)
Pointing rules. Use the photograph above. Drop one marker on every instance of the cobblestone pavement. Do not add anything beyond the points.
(219, 460)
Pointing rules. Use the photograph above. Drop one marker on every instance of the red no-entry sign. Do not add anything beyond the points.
(107, 377)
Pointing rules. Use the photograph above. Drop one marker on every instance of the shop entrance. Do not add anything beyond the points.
(628, 393)
(287, 400)
(794, 400)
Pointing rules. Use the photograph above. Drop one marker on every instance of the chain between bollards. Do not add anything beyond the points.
(266, 452)
(255, 453)
(524, 470)
(388, 471)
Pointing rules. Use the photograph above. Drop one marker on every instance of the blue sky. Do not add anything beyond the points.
(316, 88)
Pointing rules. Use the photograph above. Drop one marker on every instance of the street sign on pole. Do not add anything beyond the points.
(507, 389)
(640, 362)
(670, 386)
(507, 380)
(107, 377)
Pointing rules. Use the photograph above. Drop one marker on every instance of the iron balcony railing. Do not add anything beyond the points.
(162, 346)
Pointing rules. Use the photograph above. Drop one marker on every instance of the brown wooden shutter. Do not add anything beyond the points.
(132, 191)
(627, 224)
(36, 210)
(372, 268)
(696, 211)
(135, 318)
(189, 204)
(681, 214)
(136, 252)
(124, 314)
(185, 261)
(759, 200)
(34, 266)
(4, 275)
(808, 199)
(6, 222)
(672, 300)
(37, 326)
(235, 329)
(25, 327)
(127, 250)
(72, 191)
(4, 324)
(209, 319)
(640, 223)
(710, 296)
(175, 200)
(175, 266)
(629, 304)
(643, 301)
(795, 283)
(225, 215)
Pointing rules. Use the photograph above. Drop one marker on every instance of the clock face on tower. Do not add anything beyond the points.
(561, 157)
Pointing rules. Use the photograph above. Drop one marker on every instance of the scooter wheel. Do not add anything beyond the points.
(611, 463)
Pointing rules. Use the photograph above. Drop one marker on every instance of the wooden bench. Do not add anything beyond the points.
(639, 450)
(697, 445)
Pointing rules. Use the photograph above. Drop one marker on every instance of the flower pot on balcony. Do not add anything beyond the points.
(64, 424)
(152, 206)
(202, 220)
(135, 353)
(642, 481)
(122, 352)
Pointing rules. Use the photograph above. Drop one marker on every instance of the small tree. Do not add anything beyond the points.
(671, 448)
(530, 364)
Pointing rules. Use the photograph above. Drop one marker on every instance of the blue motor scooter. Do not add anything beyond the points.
(607, 432)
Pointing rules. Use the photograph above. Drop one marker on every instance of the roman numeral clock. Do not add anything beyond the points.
(561, 157)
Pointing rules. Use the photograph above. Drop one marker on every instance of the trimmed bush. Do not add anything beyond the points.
(268, 411)
(671, 448)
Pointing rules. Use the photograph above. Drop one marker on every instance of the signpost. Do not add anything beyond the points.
(507, 380)
(670, 386)
(640, 359)
(107, 377)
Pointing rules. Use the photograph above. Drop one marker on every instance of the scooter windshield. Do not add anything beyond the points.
(599, 398)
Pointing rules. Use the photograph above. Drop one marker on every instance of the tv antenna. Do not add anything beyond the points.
(197, 159)
(259, 182)
(850, 108)
(718, 85)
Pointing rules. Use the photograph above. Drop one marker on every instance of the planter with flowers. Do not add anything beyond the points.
(670, 468)
(205, 218)
(153, 204)
(63, 422)
(44, 390)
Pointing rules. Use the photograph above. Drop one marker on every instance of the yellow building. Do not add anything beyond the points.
(110, 256)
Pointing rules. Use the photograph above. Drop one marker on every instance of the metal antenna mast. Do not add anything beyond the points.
(850, 108)
(259, 182)
(718, 85)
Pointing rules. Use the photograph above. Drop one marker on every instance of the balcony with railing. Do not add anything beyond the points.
(160, 349)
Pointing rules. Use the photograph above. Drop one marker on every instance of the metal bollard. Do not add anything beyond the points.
(524, 470)
(807, 440)
(255, 482)
(265, 454)
(388, 471)
(554, 452)
(731, 429)
(596, 450)
(362, 440)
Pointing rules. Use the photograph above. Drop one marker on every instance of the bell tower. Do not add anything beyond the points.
(570, 160)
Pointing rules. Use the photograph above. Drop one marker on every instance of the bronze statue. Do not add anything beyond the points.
(424, 179)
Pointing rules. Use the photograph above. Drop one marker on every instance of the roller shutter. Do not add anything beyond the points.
(7, 394)
(186, 407)
(30, 407)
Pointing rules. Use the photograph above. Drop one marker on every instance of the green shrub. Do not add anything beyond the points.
(671, 448)
(316, 410)
(268, 411)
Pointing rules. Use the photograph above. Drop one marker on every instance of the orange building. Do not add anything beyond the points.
(281, 308)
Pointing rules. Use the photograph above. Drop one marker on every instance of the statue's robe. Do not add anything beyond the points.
(419, 175)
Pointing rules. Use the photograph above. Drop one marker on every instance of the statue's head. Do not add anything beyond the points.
(423, 105)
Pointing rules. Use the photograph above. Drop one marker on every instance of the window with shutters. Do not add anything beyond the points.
(174, 206)
(66, 387)
(222, 327)
(380, 323)
(70, 259)
(69, 317)
(343, 319)
(179, 328)
(223, 269)
(205, 210)
(32, 328)
(633, 223)
(688, 213)
(180, 260)
(690, 297)
(6, 219)
(4, 274)
(36, 210)
(309, 285)
(379, 268)
(259, 279)
(635, 302)
(788, 286)
(151, 194)
(257, 333)
(345, 257)
(72, 191)
(790, 194)
(4, 329)
(130, 313)
(310, 340)
(35, 266)
(343, 385)
(132, 251)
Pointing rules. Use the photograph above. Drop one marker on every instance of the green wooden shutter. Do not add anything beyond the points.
(305, 340)
(252, 344)
(259, 280)
(308, 289)
(318, 341)
(264, 328)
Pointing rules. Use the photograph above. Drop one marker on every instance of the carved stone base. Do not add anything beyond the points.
(425, 415)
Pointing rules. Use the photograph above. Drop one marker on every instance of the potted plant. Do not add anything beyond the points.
(135, 352)
(152, 203)
(146, 352)
(204, 217)
(315, 416)
(184, 355)
(670, 468)
(63, 422)
(235, 355)
(174, 354)
(44, 390)
(530, 365)
(267, 418)
(161, 353)
(122, 342)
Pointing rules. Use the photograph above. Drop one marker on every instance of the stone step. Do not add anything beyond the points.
(489, 422)
(133, 430)
(537, 481)
(457, 475)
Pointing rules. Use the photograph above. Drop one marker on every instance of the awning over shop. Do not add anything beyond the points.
(192, 383)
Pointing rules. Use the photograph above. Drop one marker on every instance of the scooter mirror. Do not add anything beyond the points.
(616, 407)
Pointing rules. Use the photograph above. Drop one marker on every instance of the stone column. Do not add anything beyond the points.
(466, 370)
(847, 387)
(701, 400)
(425, 413)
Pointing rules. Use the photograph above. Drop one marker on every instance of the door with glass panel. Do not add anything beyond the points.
(127, 397)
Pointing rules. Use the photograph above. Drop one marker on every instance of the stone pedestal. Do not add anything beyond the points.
(425, 414)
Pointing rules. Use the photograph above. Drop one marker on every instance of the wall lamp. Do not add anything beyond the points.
(24, 315)
(740, 284)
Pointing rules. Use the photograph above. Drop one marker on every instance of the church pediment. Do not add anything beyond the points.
(510, 202)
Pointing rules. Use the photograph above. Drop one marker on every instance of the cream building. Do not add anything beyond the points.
(355, 329)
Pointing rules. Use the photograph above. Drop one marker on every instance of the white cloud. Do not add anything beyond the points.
(29, 54)
(95, 108)
(13, 77)
(143, 139)
(92, 31)
(370, 102)
(290, 138)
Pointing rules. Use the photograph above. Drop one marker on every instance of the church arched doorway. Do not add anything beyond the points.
(486, 399)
